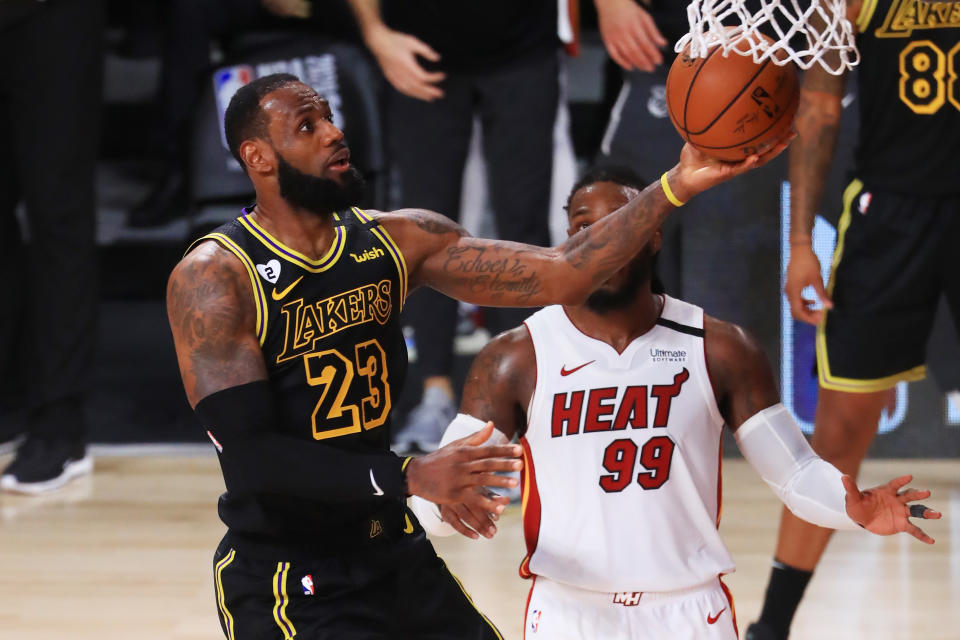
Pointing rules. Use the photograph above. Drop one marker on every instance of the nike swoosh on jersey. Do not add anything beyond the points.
(283, 294)
(408, 527)
(377, 491)
(565, 372)
(711, 619)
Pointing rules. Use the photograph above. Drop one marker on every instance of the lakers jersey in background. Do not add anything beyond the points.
(909, 96)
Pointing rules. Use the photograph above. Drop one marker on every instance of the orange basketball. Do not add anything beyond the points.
(728, 106)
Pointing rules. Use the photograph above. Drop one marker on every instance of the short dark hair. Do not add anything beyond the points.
(616, 174)
(624, 176)
(244, 119)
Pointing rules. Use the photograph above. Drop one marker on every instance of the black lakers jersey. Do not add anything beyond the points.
(335, 355)
(909, 94)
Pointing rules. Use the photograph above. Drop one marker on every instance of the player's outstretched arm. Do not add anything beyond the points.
(771, 441)
(441, 254)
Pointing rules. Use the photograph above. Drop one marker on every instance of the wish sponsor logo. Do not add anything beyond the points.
(668, 355)
(369, 254)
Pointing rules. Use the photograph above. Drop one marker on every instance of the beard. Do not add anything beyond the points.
(316, 194)
(639, 273)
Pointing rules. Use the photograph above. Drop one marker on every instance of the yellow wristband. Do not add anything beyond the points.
(674, 200)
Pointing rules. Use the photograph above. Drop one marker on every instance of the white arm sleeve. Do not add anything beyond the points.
(773, 444)
(427, 512)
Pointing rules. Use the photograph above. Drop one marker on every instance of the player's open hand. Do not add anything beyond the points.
(451, 474)
(885, 510)
(396, 54)
(630, 34)
(471, 522)
(696, 172)
(803, 271)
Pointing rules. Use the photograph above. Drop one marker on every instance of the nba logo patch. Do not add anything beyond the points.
(307, 583)
(226, 81)
(863, 203)
(535, 620)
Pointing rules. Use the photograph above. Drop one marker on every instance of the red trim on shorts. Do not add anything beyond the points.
(526, 608)
(733, 610)
(530, 507)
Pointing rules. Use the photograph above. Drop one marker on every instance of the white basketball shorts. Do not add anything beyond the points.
(558, 611)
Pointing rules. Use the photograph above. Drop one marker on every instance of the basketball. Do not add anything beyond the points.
(728, 106)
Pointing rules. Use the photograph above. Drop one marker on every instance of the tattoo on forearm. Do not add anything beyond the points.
(489, 270)
(436, 224)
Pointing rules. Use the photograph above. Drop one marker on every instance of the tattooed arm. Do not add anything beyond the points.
(213, 318)
(440, 254)
(498, 388)
(211, 312)
(817, 123)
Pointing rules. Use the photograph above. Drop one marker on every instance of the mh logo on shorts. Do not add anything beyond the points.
(627, 598)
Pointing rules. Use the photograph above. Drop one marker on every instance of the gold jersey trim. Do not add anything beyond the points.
(392, 248)
(259, 295)
(329, 259)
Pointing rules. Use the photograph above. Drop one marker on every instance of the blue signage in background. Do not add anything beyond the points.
(798, 374)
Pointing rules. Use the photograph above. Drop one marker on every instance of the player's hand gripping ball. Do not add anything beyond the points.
(730, 107)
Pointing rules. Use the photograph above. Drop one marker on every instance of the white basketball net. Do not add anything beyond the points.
(820, 25)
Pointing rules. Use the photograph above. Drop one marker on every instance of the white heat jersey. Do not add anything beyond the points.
(621, 485)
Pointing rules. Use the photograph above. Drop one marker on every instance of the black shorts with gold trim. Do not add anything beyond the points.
(395, 588)
(895, 256)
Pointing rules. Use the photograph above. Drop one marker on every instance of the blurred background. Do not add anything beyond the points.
(163, 177)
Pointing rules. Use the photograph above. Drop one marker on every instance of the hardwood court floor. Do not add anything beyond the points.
(126, 554)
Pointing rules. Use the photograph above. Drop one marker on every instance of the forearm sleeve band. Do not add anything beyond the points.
(257, 457)
(773, 444)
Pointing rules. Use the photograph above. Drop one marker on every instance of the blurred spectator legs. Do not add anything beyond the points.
(517, 106)
(191, 27)
(51, 108)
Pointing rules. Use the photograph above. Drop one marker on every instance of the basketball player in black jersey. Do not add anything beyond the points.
(286, 328)
(896, 244)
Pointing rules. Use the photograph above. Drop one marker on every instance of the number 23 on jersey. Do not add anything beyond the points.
(335, 375)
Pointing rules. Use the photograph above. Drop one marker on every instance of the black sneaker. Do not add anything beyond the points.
(759, 631)
(45, 465)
